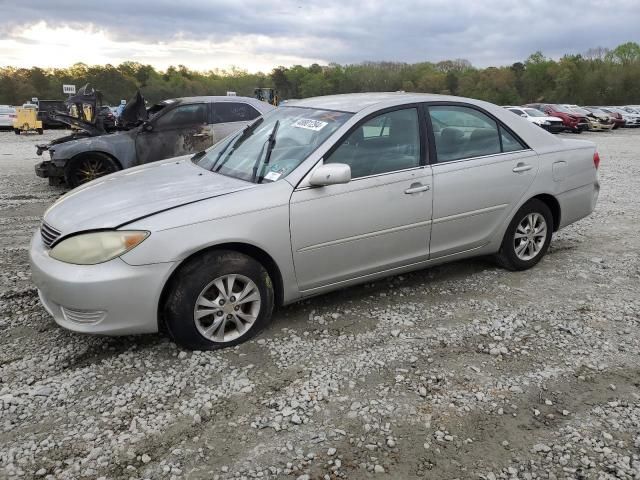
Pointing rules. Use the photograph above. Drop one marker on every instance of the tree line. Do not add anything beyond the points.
(600, 76)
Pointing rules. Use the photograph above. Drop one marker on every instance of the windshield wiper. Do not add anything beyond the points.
(271, 142)
(246, 132)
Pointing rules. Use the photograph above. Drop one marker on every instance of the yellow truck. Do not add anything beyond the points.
(27, 119)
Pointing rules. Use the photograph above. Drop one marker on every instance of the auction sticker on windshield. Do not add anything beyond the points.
(309, 124)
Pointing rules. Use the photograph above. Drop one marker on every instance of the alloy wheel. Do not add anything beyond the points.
(530, 236)
(227, 308)
(91, 169)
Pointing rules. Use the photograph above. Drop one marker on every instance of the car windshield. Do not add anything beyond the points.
(273, 146)
(532, 112)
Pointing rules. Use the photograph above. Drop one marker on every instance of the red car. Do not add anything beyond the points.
(573, 122)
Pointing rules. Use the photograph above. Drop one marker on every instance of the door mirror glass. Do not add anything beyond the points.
(330, 174)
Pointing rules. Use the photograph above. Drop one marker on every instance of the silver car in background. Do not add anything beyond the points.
(316, 195)
(7, 116)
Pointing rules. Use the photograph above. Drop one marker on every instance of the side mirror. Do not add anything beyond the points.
(330, 174)
(147, 126)
(523, 115)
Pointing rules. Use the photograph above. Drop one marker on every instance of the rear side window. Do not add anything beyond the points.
(226, 112)
(183, 115)
(464, 132)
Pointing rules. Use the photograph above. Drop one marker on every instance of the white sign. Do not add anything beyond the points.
(70, 89)
(123, 102)
(309, 124)
(231, 94)
(34, 100)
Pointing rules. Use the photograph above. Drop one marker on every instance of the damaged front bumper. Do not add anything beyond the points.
(48, 169)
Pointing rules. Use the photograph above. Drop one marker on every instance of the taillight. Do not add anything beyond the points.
(596, 160)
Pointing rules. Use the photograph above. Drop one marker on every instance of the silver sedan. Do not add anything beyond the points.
(317, 195)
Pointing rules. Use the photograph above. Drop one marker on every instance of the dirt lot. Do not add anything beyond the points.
(462, 371)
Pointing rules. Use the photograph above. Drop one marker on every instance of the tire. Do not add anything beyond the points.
(87, 167)
(509, 255)
(16, 131)
(40, 131)
(192, 304)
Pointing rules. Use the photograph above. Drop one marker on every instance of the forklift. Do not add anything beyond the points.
(266, 94)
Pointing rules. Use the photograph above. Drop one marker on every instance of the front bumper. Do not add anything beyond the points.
(554, 127)
(111, 298)
(48, 169)
(597, 126)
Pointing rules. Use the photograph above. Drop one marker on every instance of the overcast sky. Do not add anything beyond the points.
(260, 34)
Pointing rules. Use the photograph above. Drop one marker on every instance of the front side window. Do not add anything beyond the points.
(183, 115)
(385, 143)
(227, 112)
(274, 145)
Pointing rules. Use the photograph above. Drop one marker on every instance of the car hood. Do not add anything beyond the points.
(122, 197)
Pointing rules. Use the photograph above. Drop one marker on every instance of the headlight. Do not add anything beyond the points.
(547, 122)
(97, 247)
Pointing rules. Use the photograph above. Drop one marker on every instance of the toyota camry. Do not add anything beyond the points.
(314, 196)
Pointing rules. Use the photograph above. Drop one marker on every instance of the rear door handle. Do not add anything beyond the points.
(522, 167)
(417, 188)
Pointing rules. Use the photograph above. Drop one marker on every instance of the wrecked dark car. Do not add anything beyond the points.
(172, 128)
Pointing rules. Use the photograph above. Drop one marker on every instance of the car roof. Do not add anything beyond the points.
(355, 102)
(260, 105)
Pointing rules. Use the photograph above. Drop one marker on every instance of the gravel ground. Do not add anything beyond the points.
(461, 371)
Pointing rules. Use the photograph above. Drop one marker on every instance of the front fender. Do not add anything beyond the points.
(257, 217)
(120, 146)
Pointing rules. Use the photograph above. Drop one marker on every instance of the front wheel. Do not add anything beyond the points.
(88, 167)
(528, 236)
(218, 299)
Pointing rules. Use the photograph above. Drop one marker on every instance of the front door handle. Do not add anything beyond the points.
(522, 167)
(417, 188)
(200, 135)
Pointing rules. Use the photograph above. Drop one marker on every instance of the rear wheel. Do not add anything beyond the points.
(40, 131)
(218, 299)
(528, 236)
(16, 131)
(88, 167)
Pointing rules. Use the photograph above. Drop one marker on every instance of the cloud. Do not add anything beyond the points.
(259, 35)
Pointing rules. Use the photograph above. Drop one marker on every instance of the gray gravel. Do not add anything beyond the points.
(461, 371)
